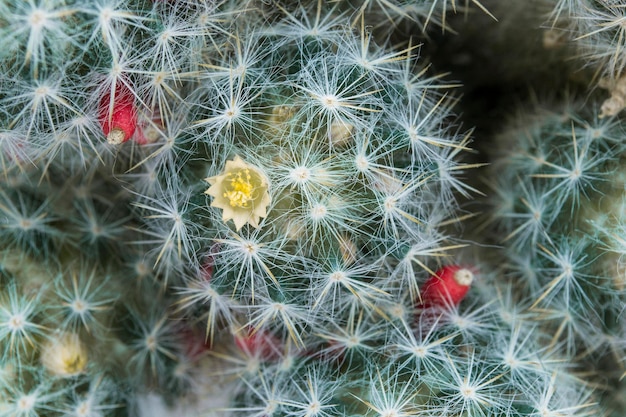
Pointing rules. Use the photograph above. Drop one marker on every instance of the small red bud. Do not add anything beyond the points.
(194, 344)
(447, 287)
(208, 265)
(260, 344)
(206, 271)
(118, 115)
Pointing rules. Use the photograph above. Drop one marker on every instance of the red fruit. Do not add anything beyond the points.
(447, 287)
(194, 344)
(208, 265)
(206, 270)
(259, 344)
(118, 115)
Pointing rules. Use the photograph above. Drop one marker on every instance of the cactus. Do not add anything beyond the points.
(560, 213)
(597, 30)
(271, 208)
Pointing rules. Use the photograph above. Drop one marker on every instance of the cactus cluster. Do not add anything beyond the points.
(277, 208)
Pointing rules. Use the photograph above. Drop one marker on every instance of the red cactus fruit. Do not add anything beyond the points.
(447, 287)
(260, 344)
(118, 115)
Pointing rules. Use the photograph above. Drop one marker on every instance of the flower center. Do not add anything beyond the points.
(239, 190)
(74, 363)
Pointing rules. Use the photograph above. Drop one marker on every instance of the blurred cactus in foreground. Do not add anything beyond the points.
(274, 209)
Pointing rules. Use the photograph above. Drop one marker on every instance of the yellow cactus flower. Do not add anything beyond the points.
(241, 191)
(64, 355)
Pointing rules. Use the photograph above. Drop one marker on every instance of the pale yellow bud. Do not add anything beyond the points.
(64, 355)
(348, 250)
(617, 102)
(340, 133)
(281, 114)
